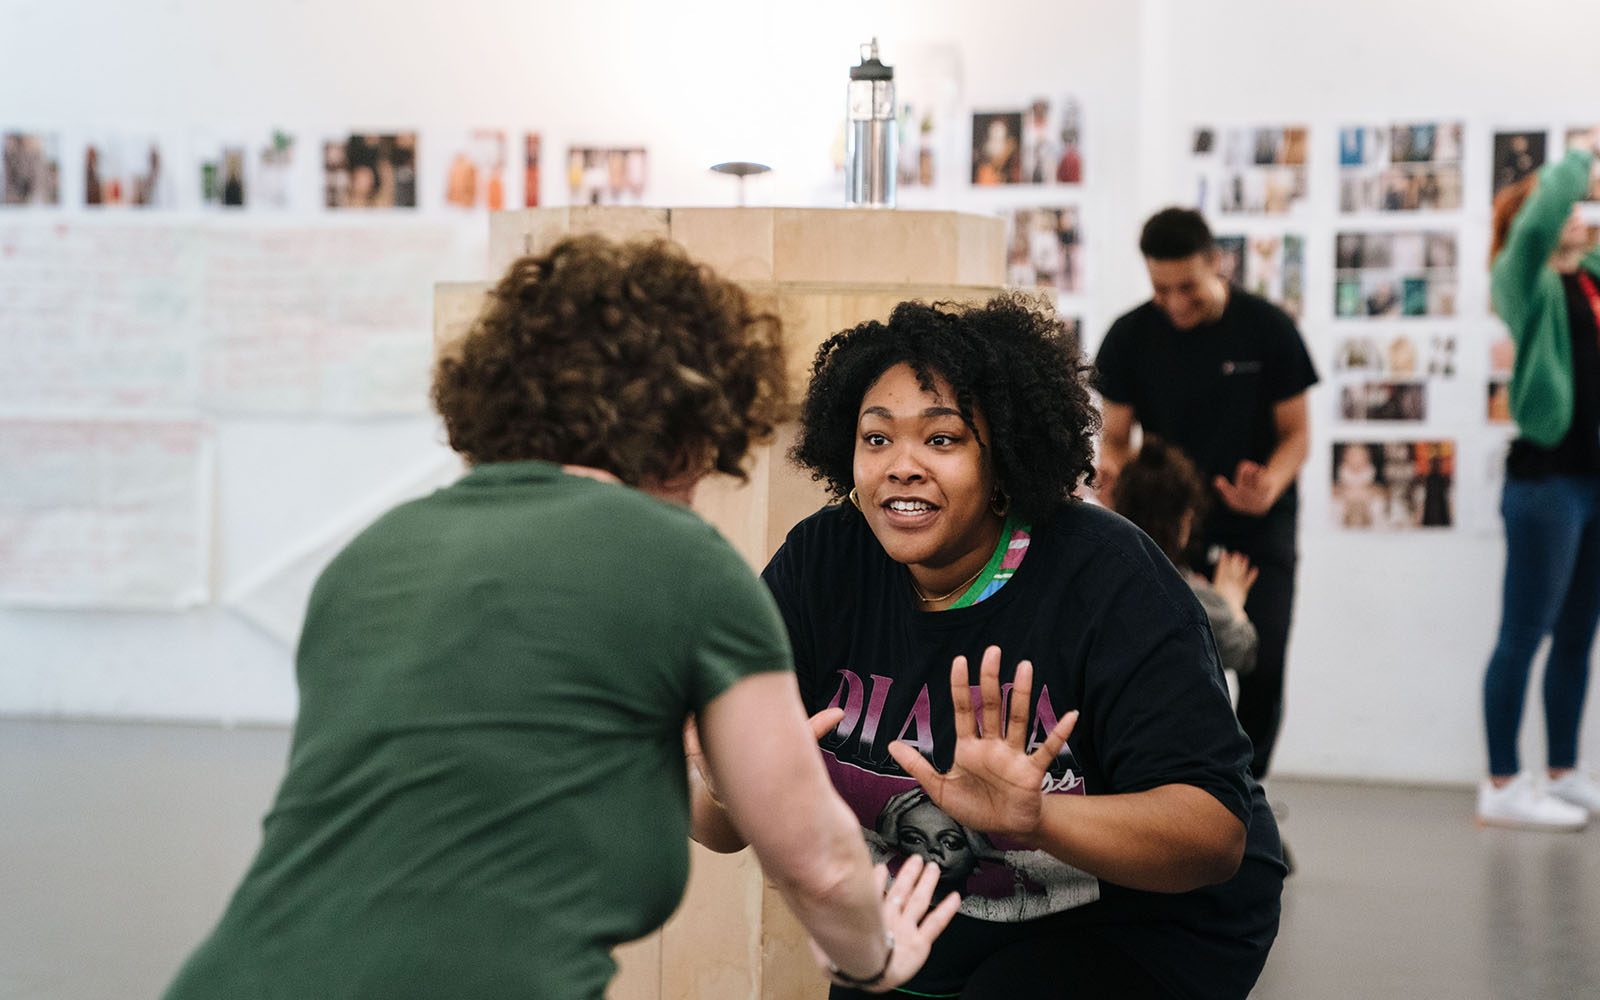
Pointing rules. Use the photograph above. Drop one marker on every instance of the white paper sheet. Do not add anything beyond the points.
(105, 514)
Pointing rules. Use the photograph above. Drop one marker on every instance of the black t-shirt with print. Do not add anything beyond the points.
(1211, 391)
(1113, 632)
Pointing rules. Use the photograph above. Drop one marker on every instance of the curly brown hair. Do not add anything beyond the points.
(627, 357)
(1009, 357)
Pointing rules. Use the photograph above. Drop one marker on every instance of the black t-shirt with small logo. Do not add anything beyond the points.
(1211, 391)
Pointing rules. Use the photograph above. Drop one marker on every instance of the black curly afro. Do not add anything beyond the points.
(1009, 358)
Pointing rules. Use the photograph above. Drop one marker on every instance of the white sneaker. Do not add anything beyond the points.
(1522, 804)
(1579, 789)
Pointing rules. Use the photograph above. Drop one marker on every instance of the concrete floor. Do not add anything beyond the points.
(119, 845)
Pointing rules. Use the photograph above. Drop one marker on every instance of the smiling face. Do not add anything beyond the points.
(1189, 290)
(923, 480)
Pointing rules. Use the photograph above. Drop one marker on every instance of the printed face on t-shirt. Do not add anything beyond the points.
(1190, 290)
(925, 829)
(922, 478)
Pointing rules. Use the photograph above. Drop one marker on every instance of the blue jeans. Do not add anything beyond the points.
(1552, 587)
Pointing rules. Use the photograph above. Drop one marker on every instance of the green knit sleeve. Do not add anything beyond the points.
(1535, 232)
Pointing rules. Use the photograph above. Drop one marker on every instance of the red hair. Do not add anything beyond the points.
(1507, 203)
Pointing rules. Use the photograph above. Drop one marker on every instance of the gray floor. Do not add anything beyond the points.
(120, 843)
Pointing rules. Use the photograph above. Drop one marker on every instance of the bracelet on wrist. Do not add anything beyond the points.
(843, 978)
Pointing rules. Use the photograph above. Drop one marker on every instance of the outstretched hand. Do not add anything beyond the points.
(1251, 491)
(907, 917)
(994, 784)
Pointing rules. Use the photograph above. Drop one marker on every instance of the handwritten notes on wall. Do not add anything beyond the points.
(105, 513)
(298, 321)
(121, 342)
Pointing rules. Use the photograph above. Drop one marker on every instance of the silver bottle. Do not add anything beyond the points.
(871, 133)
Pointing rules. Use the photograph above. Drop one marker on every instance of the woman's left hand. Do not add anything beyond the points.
(994, 784)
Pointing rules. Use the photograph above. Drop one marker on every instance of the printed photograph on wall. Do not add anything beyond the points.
(530, 170)
(241, 170)
(475, 174)
(1402, 356)
(127, 170)
(605, 175)
(1273, 267)
(1576, 138)
(1388, 401)
(1501, 354)
(919, 146)
(1250, 171)
(1386, 274)
(1516, 155)
(996, 148)
(1044, 248)
(222, 176)
(1393, 485)
(1400, 168)
(370, 170)
(1041, 144)
(30, 168)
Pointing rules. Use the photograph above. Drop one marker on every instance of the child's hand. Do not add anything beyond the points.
(1234, 578)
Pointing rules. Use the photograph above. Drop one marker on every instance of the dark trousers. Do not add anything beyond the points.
(1269, 607)
(1552, 587)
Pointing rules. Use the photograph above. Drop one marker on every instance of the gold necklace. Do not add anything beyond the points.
(925, 599)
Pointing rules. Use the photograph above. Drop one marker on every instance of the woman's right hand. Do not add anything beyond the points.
(906, 915)
(1234, 578)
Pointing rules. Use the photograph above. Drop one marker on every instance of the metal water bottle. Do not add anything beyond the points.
(871, 133)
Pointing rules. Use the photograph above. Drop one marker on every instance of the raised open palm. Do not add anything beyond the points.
(994, 784)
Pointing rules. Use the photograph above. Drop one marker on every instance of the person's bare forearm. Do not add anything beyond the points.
(1283, 467)
(764, 764)
(1173, 838)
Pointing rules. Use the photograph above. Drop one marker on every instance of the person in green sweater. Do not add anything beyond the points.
(487, 788)
(1545, 285)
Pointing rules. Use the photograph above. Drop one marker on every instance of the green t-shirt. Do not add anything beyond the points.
(486, 788)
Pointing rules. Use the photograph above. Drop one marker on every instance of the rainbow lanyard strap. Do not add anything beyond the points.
(1008, 554)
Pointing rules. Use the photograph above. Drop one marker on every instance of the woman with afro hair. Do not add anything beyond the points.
(1033, 662)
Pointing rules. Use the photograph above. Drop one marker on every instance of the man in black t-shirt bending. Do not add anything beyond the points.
(1223, 375)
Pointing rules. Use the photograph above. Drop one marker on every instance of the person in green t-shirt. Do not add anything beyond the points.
(487, 788)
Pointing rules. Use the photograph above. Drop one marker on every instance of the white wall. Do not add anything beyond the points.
(1392, 632)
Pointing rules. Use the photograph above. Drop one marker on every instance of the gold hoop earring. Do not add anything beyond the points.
(854, 498)
(1000, 503)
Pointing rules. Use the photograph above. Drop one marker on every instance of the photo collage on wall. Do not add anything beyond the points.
(1271, 266)
(1381, 274)
(1519, 152)
(1394, 485)
(1401, 168)
(1387, 378)
(244, 171)
(121, 169)
(606, 175)
(1044, 249)
(1041, 144)
(239, 170)
(1250, 171)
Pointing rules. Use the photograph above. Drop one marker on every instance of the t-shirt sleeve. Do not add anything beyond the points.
(1162, 710)
(1290, 370)
(738, 631)
(1113, 364)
